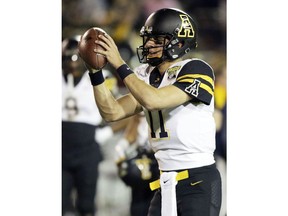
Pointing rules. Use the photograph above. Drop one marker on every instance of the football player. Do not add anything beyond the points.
(177, 97)
(81, 152)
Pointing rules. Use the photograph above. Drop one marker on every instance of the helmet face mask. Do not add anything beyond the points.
(176, 26)
(146, 53)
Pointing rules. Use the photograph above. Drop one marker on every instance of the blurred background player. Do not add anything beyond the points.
(81, 123)
(136, 163)
(113, 196)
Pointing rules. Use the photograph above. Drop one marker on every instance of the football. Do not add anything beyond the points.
(86, 48)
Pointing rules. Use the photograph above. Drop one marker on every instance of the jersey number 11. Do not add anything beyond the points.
(163, 133)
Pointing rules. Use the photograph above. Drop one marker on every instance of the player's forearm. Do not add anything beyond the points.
(146, 95)
(107, 104)
(153, 98)
(112, 109)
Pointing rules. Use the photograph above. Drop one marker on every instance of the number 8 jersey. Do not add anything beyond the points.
(183, 137)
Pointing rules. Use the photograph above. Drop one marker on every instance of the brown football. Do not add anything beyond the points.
(87, 45)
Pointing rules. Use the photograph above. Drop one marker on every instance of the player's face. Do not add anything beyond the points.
(155, 46)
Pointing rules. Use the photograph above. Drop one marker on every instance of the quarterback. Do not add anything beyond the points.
(177, 97)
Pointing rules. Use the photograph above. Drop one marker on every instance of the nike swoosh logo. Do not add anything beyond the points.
(195, 183)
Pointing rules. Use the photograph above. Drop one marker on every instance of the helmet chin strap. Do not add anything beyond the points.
(155, 61)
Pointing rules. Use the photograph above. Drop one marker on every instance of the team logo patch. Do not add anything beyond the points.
(193, 89)
(186, 29)
(172, 72)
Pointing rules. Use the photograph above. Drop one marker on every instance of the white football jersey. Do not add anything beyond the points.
(184, 136)
(78, 104)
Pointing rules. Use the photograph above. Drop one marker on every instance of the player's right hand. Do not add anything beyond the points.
(90, 69)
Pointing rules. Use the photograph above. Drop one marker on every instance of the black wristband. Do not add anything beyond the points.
(124, 71)
(96, 78)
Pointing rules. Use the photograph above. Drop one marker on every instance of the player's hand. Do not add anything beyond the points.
(103, 134)
(111, 51)
(120, 150)
(90, 69)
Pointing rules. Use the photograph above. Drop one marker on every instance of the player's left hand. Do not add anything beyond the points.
(111, 50)
(120, 150)
(103, 134)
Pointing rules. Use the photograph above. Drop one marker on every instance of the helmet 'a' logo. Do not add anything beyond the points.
(186, 29)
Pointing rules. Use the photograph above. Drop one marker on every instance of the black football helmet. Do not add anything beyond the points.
(176, 26)
(70, 49)
(140, 169)
(71, 61)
